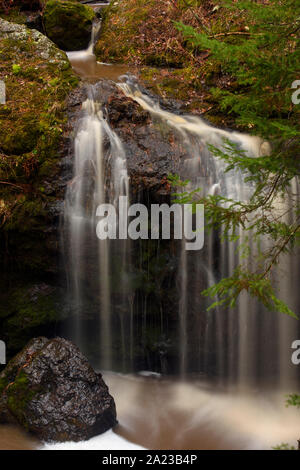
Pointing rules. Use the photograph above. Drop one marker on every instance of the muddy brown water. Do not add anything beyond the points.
(156, 413)
(14, 438)
(90, 70)
(173, 414)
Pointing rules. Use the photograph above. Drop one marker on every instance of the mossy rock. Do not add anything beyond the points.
(68, 24)
(14, 393)
(38, 78)
(51, 390)
(23, 137)
(33, 139)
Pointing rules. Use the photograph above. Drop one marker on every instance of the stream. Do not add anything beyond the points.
(154, 413)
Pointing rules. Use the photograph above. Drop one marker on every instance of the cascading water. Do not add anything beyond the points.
(95, 32)
(248, 343)
(112, 320)
(85, 64)
(100, 176)
(242, 345)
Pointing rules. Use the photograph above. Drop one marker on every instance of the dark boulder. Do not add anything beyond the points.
(69, 24)
(152, 149)
(53, 392)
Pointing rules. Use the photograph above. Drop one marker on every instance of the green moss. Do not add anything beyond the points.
(48, 168)
(185, 4)
(31, 126)
(26, 215)
(3, 383)
(184, 84)
(144, 33)
(19, 395)
(14, 15)
(120, 28)
(22, 137)
(139, 32)
(68, 24)
(27, 309)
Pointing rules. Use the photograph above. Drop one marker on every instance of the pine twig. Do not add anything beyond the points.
(230, 33)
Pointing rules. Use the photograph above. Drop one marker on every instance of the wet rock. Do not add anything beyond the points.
(153, 151)
(43, 47)
(29, 236)
(68, 24)
(53, 392)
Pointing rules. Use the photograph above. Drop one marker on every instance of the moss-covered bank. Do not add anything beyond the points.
(144, 33)
(33, 124)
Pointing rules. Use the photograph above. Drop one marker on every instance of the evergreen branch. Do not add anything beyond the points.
(267, 198)
(279, 250)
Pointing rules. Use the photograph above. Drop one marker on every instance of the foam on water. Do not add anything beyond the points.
(107, 441)
(164, 414)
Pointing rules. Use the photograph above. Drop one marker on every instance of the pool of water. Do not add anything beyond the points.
(157, 413)
(87, 67)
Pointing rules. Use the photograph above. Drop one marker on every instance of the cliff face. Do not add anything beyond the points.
(38, 125)
(153, 151)
(34, 136)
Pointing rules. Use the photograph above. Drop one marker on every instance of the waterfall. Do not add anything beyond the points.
(95, 32)
(100, 176)
(246, 344)
(87, 54)
(111, 319)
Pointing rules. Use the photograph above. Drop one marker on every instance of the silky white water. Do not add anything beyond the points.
(246, 344)
(100, 176)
